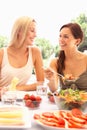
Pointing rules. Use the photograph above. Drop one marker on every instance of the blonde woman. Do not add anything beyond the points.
(20, 57)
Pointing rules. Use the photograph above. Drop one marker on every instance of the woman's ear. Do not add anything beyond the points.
(78, 41)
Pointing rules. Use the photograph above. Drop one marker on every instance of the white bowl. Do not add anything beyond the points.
(63, 103)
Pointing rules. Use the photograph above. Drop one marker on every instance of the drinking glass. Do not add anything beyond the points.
(41, 88)
(8, 97)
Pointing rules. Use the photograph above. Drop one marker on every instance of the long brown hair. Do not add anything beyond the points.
(77, 33)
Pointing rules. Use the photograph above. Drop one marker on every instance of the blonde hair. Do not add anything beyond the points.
(21, 26)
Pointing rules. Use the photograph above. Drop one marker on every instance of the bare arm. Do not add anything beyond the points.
(52, 77)
(38, 63)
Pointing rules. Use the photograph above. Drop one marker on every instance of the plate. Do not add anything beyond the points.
(14, 113)
(49, 127)
(53, 127)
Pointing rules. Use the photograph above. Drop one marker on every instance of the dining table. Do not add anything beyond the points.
(45, 105)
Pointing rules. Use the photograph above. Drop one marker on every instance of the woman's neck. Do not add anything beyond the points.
(71, 54)
(18, 50)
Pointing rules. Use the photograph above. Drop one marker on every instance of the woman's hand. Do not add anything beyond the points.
(49, 74)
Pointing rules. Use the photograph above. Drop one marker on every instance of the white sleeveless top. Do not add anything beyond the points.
(8, 72)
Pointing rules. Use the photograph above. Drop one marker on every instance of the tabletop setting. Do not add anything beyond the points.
(42, 109)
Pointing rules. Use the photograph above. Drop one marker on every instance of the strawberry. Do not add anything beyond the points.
(28, 102)
(38, 98)
(26, 97)
(32, 97)
(32, 105)
(51, 98)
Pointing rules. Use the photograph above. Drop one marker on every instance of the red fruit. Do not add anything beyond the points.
(28, 102)
(32, 105)
(26, 97)
(32, 97)
(51, 98)
(38, 98)
(76, 112)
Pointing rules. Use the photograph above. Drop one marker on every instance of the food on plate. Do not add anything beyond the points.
(63, 119)
(69, 98)
(69, 77)
(11, 116)
(32, 101)
(69, 81)
(12, 121)
(50, 97)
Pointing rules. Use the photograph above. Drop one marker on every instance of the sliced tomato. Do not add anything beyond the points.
(49, 119)
(61, 121)
(69, 114)
(36, 116)
(64, 115)
(73, 124)
(85, 125)
(83, 117)
(55, 124)
(78, 120)
(48, 114)
(76, 112)
(57, 114)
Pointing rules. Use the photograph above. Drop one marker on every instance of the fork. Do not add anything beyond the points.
(54, 71)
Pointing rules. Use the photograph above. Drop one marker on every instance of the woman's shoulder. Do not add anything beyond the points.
(53, 62)
(36, 53)
(35, 49)
(85, 56)
(82, 56)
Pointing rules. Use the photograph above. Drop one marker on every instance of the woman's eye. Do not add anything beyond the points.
(65, 36)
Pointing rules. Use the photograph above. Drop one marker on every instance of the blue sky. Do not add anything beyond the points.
(49, 14)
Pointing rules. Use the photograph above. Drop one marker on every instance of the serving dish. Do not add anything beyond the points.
(73, 119)
(14, 117)
(32, 101)
(69, 98)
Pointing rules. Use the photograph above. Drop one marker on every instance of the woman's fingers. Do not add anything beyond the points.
(48, 73)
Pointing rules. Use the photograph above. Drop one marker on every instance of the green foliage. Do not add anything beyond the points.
(56, 49)
(46, 48)
(3, 41)
(82, 21)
